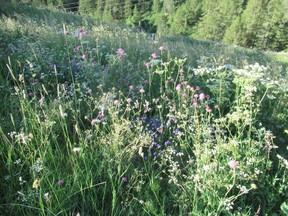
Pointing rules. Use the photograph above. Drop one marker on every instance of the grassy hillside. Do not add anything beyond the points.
(98, 119)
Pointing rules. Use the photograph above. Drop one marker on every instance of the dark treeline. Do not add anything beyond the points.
(262, 24)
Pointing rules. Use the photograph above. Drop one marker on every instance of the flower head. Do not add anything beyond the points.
(154, 55)
(233, 164)
(121, 51)
(148, 64)
(178, 87)
(124, 179)
(161, 48)
(60, 182)
(202, 96)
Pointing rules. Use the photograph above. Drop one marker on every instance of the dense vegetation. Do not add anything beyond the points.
(99, 119)
(250, 23)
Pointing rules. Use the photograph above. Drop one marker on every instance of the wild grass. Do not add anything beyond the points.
(104, 120)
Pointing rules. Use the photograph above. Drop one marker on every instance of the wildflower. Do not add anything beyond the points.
(89, 91)
(36, 183)
(148, 64)
(85, 33)
(124, 179)
(76, 149)
(84, 57)
(60, 182)
(233, 164)
(146, 81)
(196, 95)
(121, 51)
(46, 197)
(168, 142)
(208, 109)
(131, 87)
(94, 121)
(142, 90)
(80, 35)
(78, 47)
(197, 88)
(184, 95)
(161, 48)
(31, 94)
(178, 87)
(202, 96)
(192, 88)
(154, 55)
(195, 104)
(129, 100)
(116, 102)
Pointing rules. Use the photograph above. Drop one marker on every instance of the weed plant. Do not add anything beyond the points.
(102, 120)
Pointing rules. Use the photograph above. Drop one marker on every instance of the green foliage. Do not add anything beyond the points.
(186, 17)
(86, 7)
(113, 122)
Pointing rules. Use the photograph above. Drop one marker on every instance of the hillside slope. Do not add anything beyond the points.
(100, 119)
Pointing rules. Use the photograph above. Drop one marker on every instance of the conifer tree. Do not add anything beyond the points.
(107, 13)
(218, 16)
(97, 14)
(127, 9)
(186, 17)
(275, 26)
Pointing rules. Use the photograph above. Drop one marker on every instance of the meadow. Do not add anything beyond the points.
(101, 119)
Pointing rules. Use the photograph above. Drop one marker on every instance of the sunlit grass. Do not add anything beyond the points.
(103, 120)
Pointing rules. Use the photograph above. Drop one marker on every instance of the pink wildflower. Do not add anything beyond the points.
(233, 164)
(178, 87)
(60, 182)
(142, 90)
(84, 57)
(121, 51)
(154, 55)
(148, 64)
(124, 179)
(202, 96)
(161, 48)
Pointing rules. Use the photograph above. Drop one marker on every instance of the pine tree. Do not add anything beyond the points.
(127, 9)
(251, 21)
(107, 13)
(186, 17)
(97, 14)
(218, 16)
(275, 26)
